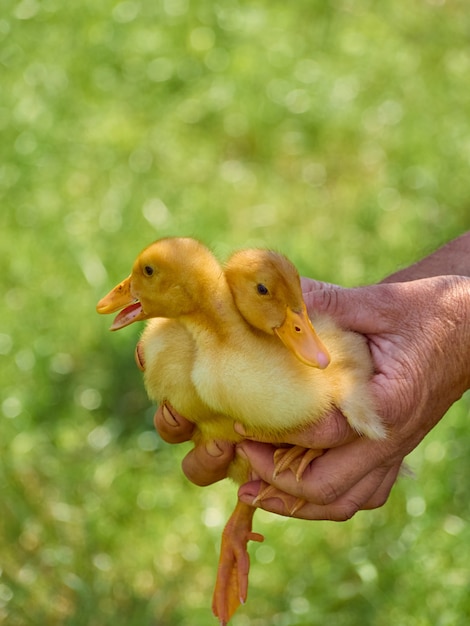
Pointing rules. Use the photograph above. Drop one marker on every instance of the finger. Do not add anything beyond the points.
(339, 470)
(139, 356)
(380, 496)
(329, 432)
(208, 463)
(327, 477)
(171, 426)
(309, 284)
(370, 493)
(363, 309)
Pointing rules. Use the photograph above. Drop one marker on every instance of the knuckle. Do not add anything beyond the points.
(322, 493)
(321, 297)
(330, 299)
(380, 497)
(335, 428)
(376, 501)
(346, 511)
(330, 431)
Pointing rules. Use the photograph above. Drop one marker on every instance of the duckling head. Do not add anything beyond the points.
(266, 289)
(168, 279)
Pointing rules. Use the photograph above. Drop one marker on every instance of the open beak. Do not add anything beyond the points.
(121, 299)
(298, 334)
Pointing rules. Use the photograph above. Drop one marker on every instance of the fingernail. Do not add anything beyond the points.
(139, 357)
(241, 452)
(213, 449)
(168, 416)
(238, 428)
(249, 493)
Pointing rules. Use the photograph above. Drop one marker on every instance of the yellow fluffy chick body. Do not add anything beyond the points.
(216, 368)
(169, 355)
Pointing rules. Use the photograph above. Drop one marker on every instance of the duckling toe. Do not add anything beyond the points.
(295, 458)
(291, 505)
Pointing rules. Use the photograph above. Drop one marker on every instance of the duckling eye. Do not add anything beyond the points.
(148, 270)
(262, 289)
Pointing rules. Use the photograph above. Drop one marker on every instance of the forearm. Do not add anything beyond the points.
(464, 315)
(453, 258)
(450, 329)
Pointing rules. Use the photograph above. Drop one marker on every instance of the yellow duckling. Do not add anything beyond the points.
(217, 359)
(266, 289)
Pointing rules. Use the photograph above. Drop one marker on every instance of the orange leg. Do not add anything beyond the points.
(234, 563)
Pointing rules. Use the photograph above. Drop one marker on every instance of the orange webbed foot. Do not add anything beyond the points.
(296, 459)
(272, 492)
(234, 563)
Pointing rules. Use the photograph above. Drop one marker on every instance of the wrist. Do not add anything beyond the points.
(435, 359)
(452, 331)
(462, 314)
(451, 259)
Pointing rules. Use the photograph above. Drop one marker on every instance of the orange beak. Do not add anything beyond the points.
(298, 334)
(121, 299)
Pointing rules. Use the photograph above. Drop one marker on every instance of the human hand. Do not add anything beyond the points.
(205, 463)
(419, 337)
(418, 334)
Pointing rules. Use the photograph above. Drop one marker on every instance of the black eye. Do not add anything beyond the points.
(262, 289)
(148, 270)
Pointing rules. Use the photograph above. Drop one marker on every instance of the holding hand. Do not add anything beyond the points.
(205, 464)
(419, 336)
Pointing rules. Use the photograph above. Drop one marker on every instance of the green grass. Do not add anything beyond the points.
(335, 132)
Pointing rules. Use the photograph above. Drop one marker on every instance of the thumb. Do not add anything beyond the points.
(366, 310)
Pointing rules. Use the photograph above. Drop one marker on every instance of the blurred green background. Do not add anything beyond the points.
(337, 132)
